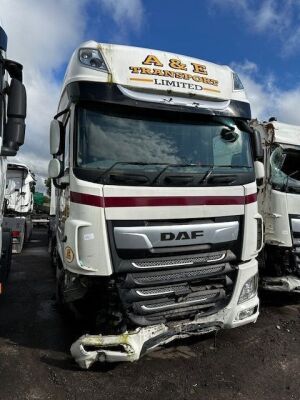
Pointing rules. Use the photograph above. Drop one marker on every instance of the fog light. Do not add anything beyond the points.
(92, 58)
(246, 313)
(249, 289)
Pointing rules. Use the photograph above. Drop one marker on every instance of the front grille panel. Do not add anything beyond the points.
(159, 296)
(158, 288)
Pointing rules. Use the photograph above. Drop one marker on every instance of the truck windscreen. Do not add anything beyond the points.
(160, 147)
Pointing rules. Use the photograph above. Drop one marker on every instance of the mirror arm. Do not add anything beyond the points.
(66, 110)
(57, 185)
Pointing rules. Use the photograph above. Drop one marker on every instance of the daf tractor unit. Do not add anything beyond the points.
(12, 134)
(157, 228)
(279, 204)
(18, 207)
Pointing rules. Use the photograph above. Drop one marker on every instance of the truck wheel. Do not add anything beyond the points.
(5, 262)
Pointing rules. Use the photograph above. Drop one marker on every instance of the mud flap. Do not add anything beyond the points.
(289, 283)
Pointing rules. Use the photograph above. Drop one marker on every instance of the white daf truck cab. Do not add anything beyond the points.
(19, 204)
(279, 204)
(12, 134)
(157, 227)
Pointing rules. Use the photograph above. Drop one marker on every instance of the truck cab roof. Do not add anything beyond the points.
(139, 71)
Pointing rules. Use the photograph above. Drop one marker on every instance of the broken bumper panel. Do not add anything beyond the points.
(130, 346)
(289, 283)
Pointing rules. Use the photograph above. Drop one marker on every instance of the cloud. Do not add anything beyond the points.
(266, 98)
(273, 18)
(125, 11)
(42, 36)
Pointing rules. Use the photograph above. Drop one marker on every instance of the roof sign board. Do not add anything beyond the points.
(155, 70)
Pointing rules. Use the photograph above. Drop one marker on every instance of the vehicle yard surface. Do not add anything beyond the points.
(259, 361)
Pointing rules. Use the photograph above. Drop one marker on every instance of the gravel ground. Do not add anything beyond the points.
(260, 361)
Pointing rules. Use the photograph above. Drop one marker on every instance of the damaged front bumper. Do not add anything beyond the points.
(289, 283)
(130, 346)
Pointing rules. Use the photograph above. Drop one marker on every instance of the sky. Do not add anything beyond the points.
(260, 39)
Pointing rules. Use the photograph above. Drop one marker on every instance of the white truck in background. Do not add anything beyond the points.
(279, 204)
(12, 134)
(157, 228)
(18, 208)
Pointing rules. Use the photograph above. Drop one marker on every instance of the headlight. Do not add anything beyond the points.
(93, 59)
(249, 289)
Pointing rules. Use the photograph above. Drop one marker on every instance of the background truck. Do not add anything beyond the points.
(19, 204)
(156, 230)
(12, 134)
(279, 203)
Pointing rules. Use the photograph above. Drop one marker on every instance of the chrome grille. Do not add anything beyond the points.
(180, 262)
(160, 291)
(169, 304)
(180, 275)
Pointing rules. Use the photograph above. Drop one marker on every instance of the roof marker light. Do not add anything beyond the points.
(237, 83)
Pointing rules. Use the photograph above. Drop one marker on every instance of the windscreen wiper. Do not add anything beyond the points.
(211, 170)
(109, 169)
(176, 165)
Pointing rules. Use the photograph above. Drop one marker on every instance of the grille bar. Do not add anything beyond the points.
(172, 276)
(180, 262)
(165, 304)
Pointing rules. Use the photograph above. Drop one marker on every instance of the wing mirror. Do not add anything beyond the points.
(259, 173)
(14, 129)
(55, 169)
(56, 137)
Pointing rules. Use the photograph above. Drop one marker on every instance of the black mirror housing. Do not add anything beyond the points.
(258, 149)
(14, 129)
(14, 135)
(14, 69)
(17, 103)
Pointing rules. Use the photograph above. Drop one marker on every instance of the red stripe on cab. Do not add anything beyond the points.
(87, 199)
(98, 201)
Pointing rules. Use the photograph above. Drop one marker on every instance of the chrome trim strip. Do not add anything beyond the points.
(154, 294)
(149, 308)
(162, 266)
(217, 259)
